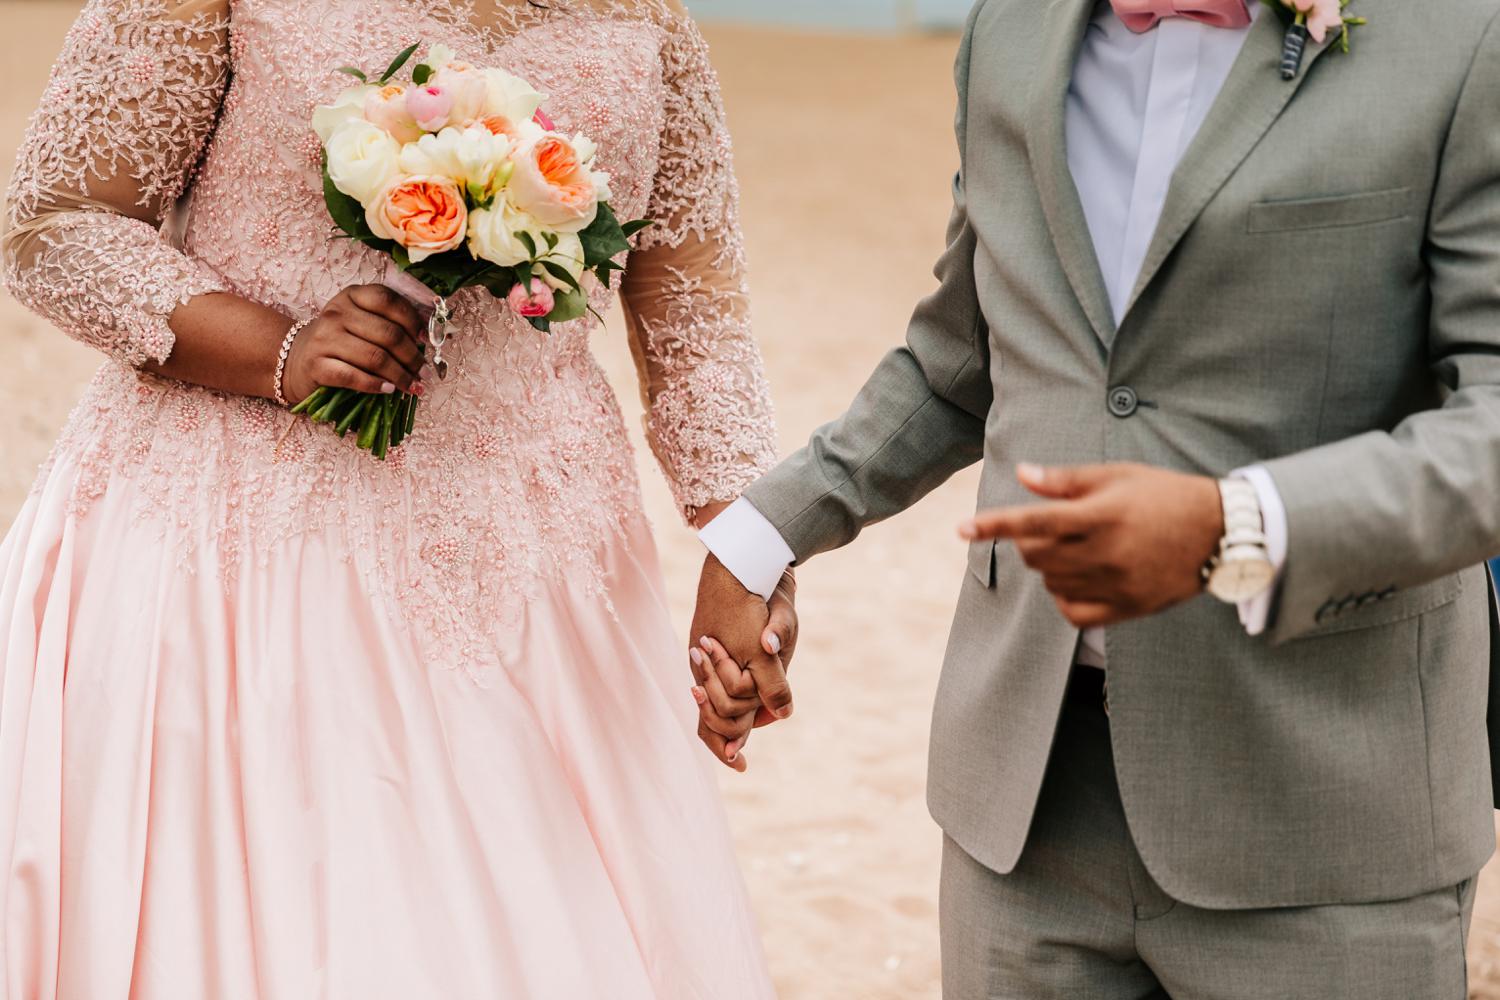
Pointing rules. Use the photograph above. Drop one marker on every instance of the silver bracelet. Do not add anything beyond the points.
(283, 354)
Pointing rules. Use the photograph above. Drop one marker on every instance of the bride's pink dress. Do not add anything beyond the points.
(278, 720)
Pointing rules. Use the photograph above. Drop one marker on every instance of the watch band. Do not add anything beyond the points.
(1244, 523)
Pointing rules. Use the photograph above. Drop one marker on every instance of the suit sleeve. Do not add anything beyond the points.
(1389, 510)
(919, 419)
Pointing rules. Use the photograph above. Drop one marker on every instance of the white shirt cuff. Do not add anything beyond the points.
(749, 546)
(1256, 612)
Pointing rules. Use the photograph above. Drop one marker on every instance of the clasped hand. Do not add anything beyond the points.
(1112, 543)
(742, 647)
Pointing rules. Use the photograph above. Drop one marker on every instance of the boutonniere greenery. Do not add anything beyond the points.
(1310, 18)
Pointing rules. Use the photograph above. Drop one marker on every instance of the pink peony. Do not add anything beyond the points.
(1322, 16)
(532, 303)
(430, 105)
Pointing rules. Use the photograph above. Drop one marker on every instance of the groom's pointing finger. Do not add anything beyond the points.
(1043, 520)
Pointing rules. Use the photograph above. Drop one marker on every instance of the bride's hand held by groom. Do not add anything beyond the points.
(741, 649)
(1113, 542)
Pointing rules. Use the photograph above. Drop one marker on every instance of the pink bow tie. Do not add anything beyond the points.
(1142, 15)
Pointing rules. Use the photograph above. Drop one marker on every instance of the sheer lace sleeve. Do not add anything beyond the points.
(131, 100)
(709, 416)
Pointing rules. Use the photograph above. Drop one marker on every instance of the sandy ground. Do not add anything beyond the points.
(850, 135)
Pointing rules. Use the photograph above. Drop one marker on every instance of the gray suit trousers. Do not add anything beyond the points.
(1081, 919)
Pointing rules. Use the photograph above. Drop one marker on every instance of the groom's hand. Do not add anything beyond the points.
(740, 650)
(1115, 542)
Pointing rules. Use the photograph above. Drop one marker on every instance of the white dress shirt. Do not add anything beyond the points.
(1135, 103)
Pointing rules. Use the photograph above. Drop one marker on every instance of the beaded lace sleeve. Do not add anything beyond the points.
(130, 103)
(709, 416)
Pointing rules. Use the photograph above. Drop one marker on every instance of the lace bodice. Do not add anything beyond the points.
(173, 156)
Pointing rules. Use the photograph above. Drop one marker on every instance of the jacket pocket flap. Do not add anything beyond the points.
(1330, 213)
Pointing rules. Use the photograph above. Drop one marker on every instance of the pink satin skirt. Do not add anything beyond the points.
(262, 792)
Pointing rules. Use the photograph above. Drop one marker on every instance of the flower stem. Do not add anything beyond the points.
(369, 425)
(353, 416)
(313, 399)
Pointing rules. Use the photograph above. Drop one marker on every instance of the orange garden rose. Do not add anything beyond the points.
(426, 215)
(553, 183)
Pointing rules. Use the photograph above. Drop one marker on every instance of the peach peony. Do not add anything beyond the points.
(424, 214)
(554, 184)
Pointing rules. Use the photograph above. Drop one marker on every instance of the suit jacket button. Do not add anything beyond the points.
(1123, 402)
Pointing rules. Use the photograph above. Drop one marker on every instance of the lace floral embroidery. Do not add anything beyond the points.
(521, 465)
(131, 99)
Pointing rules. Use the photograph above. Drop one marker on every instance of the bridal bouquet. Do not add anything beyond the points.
(463, 180)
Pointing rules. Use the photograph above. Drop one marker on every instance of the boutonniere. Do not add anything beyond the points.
(1316, 18)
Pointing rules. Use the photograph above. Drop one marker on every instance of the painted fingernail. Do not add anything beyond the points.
(387, 387)
(1031, 471)
(732, 751)
(774, 641)
(706, 643)
(700, 696)
(969, 529)
(417, 388)
(697, 656)
(783, 713)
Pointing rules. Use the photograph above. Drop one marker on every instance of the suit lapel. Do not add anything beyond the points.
(1065, 22)
(1252, 98)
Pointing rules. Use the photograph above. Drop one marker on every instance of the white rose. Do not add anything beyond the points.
(494, 234)
(568, 254)
(470, 156)
(346, 107)
(509, 96)
(362, 159)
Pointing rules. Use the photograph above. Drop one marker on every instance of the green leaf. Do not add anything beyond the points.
(561, 274)
(527, 242)
(355, 72)
(631, 228)
(399, 61)
(570, 306)
(446, 273)
(421, 74)
(498, 280)
(604, 238)
(347, 213)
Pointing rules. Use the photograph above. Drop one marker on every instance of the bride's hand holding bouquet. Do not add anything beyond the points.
(463, 180)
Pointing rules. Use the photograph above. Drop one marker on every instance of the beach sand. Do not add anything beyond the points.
(845, 156)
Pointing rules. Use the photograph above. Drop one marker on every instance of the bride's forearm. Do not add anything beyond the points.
(367, 338)
(225, 342)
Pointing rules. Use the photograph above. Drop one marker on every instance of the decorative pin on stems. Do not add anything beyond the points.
(1310, 19)
(437, 335)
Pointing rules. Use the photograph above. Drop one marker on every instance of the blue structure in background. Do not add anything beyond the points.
(866, 15)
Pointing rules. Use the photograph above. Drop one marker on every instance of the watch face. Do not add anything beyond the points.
(1236, 580)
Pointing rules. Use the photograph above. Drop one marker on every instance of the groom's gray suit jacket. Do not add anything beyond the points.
(1322, 295)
